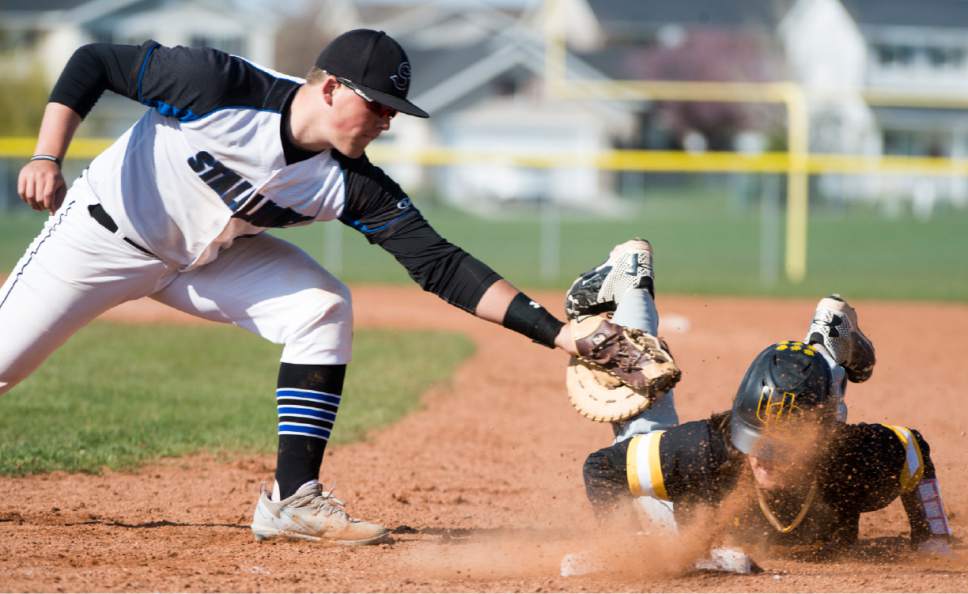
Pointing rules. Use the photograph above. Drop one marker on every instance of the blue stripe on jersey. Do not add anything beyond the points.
(310, 395)
(363, 228)
(307, 411)
(170, 111)
(141, 73)
(165, 109)
(308, 430)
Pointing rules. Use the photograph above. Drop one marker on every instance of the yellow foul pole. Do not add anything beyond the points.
(798, 194)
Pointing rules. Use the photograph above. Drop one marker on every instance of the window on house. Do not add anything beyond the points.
(904, 54)
(506, 86)
(898, 55)
(921, 143)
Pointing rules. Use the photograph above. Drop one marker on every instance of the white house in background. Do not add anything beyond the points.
(480, 73)
(46, 33)
(846, 52)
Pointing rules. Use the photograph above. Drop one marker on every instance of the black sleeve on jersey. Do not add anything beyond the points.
(92, 69)
(181, 82)
(378, 208)
(695, 461)
(697, 464)
(863, 473)
(606, 483)
(860, 473)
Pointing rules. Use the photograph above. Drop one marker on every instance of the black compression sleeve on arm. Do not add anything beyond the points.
(470, 280)
(378, 208)
(91, 70)
(529, 318)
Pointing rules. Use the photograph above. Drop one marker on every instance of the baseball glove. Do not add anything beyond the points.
(600, 396)
(619, 371)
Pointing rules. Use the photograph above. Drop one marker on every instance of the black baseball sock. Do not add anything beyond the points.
(308, 398)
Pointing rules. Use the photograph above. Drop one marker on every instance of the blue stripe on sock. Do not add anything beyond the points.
(308, 430)
(306, 411)
(308, 395)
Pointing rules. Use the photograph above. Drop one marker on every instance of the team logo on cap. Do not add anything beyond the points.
(775, 407)
(401, 80)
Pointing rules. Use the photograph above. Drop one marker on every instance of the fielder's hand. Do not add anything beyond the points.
(641, 361)
(41, 185)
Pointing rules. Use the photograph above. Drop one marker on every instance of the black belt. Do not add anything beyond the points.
(104, 219)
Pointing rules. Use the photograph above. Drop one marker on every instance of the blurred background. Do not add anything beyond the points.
(766, 147)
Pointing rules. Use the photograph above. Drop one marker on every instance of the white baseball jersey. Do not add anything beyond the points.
(207, 164)
(210, 163)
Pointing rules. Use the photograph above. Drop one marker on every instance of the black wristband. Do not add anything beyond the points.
(46, 158)
(527, 317)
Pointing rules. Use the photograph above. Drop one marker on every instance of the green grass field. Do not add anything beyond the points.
(705, 244)
(188, 389)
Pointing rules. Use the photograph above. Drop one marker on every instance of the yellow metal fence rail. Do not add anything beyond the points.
(795, 166)
(616, 160)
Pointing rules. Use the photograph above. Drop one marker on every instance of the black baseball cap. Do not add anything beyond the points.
(375, 64)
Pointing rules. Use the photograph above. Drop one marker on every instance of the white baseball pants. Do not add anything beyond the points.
(76, 269)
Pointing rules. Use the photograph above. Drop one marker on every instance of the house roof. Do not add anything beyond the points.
(489, 45)
(88, 11)
(39, 6)
(433, 66)
(624, 18)
(951, 14)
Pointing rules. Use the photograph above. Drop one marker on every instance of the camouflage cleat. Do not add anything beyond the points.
(312, 514)
(835, 326)
(629, 266)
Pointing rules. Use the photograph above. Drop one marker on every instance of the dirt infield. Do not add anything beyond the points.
(483, 484)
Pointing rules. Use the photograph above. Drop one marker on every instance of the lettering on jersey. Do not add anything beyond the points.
(229, 185)
(776, 407)
(239, 195)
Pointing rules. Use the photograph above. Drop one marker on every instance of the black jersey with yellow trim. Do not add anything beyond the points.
(862, 468)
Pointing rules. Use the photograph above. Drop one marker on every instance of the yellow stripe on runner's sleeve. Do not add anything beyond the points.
(655, 466)
(643, 466)
(913, 468)
(632, 467)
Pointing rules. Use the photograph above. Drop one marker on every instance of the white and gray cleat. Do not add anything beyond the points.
(628, 266)
(835, 326)
(312, 513)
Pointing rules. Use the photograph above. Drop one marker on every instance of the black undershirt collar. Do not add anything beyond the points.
(292, 153)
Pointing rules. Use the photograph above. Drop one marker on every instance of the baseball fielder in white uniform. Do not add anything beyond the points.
(175, 209)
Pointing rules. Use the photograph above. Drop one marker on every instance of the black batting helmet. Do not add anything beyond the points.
(786, 381)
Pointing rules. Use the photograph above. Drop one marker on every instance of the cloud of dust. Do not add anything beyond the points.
(617, 546)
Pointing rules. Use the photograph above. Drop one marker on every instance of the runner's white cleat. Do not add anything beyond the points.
(629, 266)
(312, 514)
(835, 326)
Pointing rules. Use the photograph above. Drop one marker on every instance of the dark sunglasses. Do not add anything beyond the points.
(371, 104)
